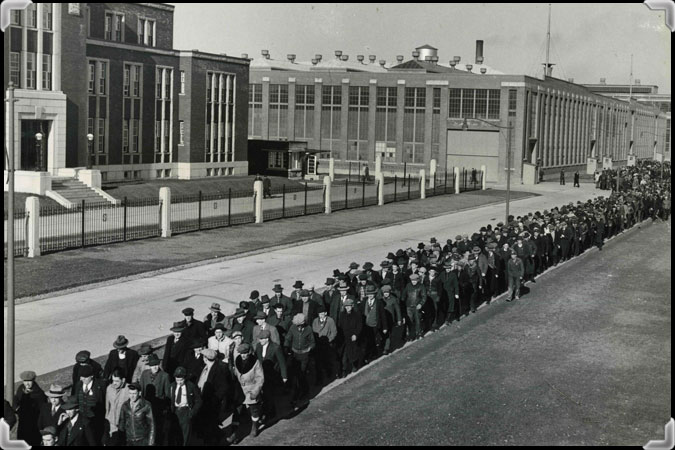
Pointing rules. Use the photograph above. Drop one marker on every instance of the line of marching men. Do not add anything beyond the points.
(268, 356)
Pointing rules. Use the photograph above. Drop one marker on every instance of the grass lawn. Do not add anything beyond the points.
(150, 189)
(20, 201)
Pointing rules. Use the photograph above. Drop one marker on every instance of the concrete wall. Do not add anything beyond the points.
(472, 149)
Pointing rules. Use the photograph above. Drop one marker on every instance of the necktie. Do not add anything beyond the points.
(53, 410)
(178, 388)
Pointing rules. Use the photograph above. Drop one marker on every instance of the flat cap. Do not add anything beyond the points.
(414, 277)
(349, 302)
(48, 430)
(180, 372)
(386, 288)
(85, 371)
(298, 319)
(254, 295)
(210, 354)
(28, 375)
(367, 266)
(244, 348)
(82, 356)
(265, 334)
(188, 311)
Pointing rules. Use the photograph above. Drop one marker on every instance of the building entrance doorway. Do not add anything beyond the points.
(33, 151)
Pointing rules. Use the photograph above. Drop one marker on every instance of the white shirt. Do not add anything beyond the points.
(221, 346)
(204, 375)
(264, 349)
(183, 396)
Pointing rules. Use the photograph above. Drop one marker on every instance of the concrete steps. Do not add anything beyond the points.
(75, 191)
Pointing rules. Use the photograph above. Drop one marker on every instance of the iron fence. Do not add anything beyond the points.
(204, 211)
(443, 183)
(20, 233)
(346, 194)
(291, 201)
(60, 228)
(470, 180)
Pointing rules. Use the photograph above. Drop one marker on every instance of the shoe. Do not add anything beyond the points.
(254, 429)
(517, 298)
(509, 300)
(232, 439)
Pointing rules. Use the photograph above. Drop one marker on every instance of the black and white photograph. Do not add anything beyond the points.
(350, 224)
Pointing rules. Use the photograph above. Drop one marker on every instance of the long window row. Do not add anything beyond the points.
(31, 47)
(163, 115)
(132, 113)
(469, 103)
(97, 113)
(219, 130)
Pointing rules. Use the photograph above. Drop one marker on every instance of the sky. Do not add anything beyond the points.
(588, 41)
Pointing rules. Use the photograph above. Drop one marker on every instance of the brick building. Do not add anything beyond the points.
(417, 110)
(109, 70)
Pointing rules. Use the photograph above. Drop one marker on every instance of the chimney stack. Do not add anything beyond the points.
(399, 58)
(483, 70)
(479, 52)
(453, 63)
(383, 62)
(244, 55)
(457, 59)
(318, 58)
(338, 53)
(265, 54)
(372, 58)
(314, 61)
(291, 57)
(359, 58)
(416, 55)
(469, 67)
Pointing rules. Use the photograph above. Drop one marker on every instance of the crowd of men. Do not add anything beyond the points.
(280, 346)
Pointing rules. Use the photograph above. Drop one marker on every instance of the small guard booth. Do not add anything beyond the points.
(289, 159)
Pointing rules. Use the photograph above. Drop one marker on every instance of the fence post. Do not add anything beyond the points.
(305, 198)
(257, 198)
(347, 193)
(483, 172)
(445, 183)
(331, 169)
(229, 206)
(408, 186)
(283, 201)
(378, 164)
(423, 183)
(327, 185)
(125, 220)
(33, 234)
(165, 198)
(363, 193)
(82, 237)
(395, 185)
(405, 167)
(380, 188)
(456, 172)
(349, 174)
(432, 175)
(199, 219)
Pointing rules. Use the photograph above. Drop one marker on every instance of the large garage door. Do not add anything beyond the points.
(472, 149)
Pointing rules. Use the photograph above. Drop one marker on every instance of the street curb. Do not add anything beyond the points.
(203, 262)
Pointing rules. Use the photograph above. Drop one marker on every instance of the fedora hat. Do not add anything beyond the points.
(121, 342)
(178, 327)
(82, 356)
(215, 307)
(254, 295)
(153, 360)
(145, 349)
(55, 391)
(298, 284)
(277, 288)
(239, 313)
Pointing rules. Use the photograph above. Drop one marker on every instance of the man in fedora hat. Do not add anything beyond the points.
(121, 356)
(136, 419)
(414, 295)
(298, 344)
(351, 324)
(215, 389)
(90, 395)
(315, 296)
(265, 305)
(50, 437)
(115, 395)
(243, 324)
(220, 342)
(254, 303)
(185, 401)
(331, 293)
(27, 402)
(142, 364)
(305, 306)
(194, 362)
(51, 411)
(193, 327)
(325, 333)
(261, 324)
(279, 297)
(156, 388)
(295, 295)
(75, 428)
(450, 285)
(337, 306)
(83, 358)
(375, 325)
(176, 350)
(213, 318)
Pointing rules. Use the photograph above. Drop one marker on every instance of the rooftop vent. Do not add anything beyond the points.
(469, 67)
(399, 58)
(291, 57)
(479, 52)
(637, 81)
(314, 61)
(344, 57)
(457, 59)
(360, 58)
(372, 58)
(244, 55)
(427, 58)
(338, 53)
(603, 80)
(318, 58)
(416, 55)
(266, 54)
(383, 62)
(483, 70)
(434, 59)
(453, 63)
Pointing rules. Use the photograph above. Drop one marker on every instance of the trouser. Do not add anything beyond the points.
(270, 392)
(514, 286)
(301, 368)
(564, 250)
(562, 181)
(143, 442)
(183, 428)
(414, 326)
(473, 299)
(113, 439)
(350, 356)
(453, 309)
(326, 364)
(372, 341)
(576, 183)
(666, 213)
(491, 285)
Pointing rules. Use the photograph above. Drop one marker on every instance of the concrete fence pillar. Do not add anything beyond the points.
(432, 174)
(331, 169)
(380, 188)
(327, 184)
(378, 165)
(456, 180)
(258, 192)
(165, 199)
(483, 171)
(423, 185)
(33, 232)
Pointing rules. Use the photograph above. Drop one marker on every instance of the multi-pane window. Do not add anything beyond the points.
(146, 32)
(331, 112)
(30, 70)
(163, 114)
(15, 68)
(47, 72)
(133, 105)
(101, 136)
(255, 110)
(47, 16)
(357, 122)
(15, 16)
(278, 112)
(151, 33)
(92, 77)
(413, 125)
(127, 80)
(385, 115)
(512, 102)
(469, 103)
(125, 136)
(31, 15)
(118, 27)
(182, 82)
(455, 103)
(468, 98)
(493, 103)
(107, 35)
(181, 132)
(102, 78)
(136, 80)
(481, 103)
(97, 111)
(304, 111)
(436, 124)
(219, 127)
(135, 128)
(141, 31)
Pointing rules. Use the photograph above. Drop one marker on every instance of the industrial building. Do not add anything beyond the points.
(462, 114)
(102, 86)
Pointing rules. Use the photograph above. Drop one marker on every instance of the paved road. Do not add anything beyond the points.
(583, 359)
(51, 331)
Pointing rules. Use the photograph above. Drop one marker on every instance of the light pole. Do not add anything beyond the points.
(509, 127)
(38, 138)
(90, 140)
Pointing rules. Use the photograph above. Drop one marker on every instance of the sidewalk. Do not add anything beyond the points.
(68, 269)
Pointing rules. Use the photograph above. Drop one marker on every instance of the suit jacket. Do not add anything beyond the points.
(380, 318)
(81, 435)
(274, 334)
(336, 309)
(329, 297)
(98, 372)
(273, 362)
(208, 324)
(217, 390)
(157, 390)
(196, 330)
(114, 361)
(46, 418)
(194, 398)
(92, 405)
(175, 354)
(312, 311)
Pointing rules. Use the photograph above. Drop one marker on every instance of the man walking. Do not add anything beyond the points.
(514, 273)
(136, 419)
(576, 179)
(414, 295)
(185, 404)
(562, 177)
(115, 396)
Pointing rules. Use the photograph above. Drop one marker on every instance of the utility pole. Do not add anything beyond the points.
(9, 337)
(547, 65)
(508, 170)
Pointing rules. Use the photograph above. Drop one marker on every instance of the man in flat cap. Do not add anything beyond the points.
(220, 342)
(27, 402)
(193, 327)
(90, 395)
(177, 349)
(83, 358)
(156, 388)
(136, 419)
(299, 344)
(261, 324)
(143, 354)
(121, 356)
(305, 306)
(325, 333)
(414, 295)
(50, 412)
(249, 372)
(50, 436)
(186, 402)
(279, 320)
(213, 318)
(75, 428)
(244, 324)
(315, 296)
(271, 356)
(375, 325)
(514, 274)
